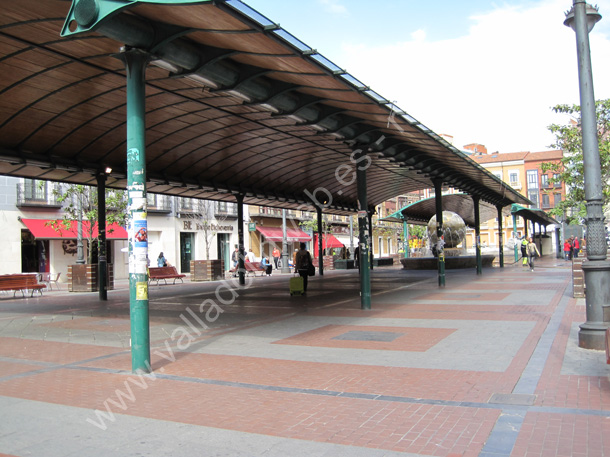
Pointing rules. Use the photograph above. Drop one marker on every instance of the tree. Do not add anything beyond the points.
(312, 224)
(208, 220)
(571, 168)
(69, 195)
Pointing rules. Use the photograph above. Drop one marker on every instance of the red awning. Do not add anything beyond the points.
(276, 234)
(328, 241)
(41, 230)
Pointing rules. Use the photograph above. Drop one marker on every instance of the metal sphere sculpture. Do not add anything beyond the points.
(454, 229)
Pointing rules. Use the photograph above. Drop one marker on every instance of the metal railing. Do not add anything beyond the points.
(225, 209)
(158, 203)
(37, 193)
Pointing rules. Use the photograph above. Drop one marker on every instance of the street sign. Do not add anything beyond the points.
(252, 226)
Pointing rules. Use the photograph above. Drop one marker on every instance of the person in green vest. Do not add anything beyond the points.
(524, 244)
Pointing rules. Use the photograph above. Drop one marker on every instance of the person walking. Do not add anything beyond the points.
(161, 260)
(302, 261)
(235, 257)
(532, 252)
(276, 256)
(566, 249)
(524, 244)
(576, 246)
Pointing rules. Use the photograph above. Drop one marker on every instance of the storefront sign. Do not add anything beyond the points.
(252, 226)
(192, 225)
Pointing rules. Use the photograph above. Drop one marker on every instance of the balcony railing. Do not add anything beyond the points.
(515, 184)
(38, 194)
(274, 212)
(158, 203)
(225, 209)
(188, 205)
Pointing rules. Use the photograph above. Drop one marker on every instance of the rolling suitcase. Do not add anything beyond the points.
(296, 286)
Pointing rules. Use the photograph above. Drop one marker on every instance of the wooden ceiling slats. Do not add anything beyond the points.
(66, 100)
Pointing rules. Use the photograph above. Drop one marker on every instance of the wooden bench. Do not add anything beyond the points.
(164, 273)
(608, 345)
(21, 282)
(251, 267)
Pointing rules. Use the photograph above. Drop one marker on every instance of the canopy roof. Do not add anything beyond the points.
(234, 103)
(533, 214)
(420, 212)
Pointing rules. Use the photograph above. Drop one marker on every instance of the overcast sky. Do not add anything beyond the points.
(484, 72)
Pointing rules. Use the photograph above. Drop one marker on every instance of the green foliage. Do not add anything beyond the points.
(571, 169)
(417, 230)
(69, 196)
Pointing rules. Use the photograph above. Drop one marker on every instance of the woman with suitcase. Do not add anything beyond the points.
(302, 262)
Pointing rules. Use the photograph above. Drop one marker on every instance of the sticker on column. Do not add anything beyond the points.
(141, 291)
(133, 155)
(138, 203)
(140, 236)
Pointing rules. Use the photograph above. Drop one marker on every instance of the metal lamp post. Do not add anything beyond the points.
(581, 18)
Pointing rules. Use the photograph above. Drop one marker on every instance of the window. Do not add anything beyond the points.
(533, 196)
(546, 201)
(556, 199)
(532, 179)
(498, 174)
(513, 176)
(556, 180)
(544, 181)
(34, 189)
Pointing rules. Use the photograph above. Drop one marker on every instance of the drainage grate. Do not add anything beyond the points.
(513, 399)
(359, 335)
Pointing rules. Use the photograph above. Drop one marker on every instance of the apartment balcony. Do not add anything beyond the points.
(516, 185)
(158, 203)
(265, 211)
(225, 210)
(546, 185)
(188, 206)
(38, 195)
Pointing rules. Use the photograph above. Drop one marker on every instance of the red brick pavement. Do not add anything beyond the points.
(409, 426)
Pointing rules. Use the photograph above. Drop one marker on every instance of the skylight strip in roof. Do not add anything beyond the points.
(291, 39)
(375, 96)
(251, 13)
(327, 63)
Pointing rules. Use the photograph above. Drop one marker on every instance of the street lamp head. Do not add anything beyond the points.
(593, 16)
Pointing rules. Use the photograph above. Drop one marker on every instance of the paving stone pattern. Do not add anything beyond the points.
(487, 366)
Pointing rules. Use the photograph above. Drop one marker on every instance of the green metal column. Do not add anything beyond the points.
(477, 231)
(515, 237)
(500, 237)
(438, 199)
(371, 241)
(364, 233)
(241, 263)
(135, 63)
(320, 240)
(101, 239)
(405, 238)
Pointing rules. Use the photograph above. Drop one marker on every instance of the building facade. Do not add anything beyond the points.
(523, 172)
(184, 229)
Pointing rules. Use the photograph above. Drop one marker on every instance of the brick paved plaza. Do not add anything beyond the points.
(488, 366)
